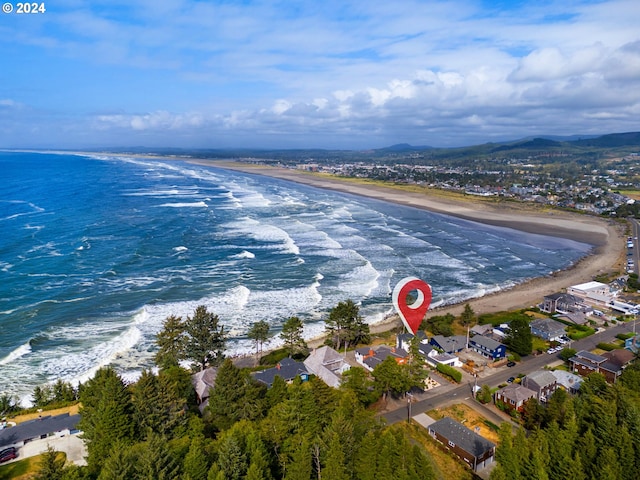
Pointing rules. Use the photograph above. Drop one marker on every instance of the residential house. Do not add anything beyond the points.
(514, 396)
(584, 363)
(567, 380)
(328, 365)
(488, 347)
(370, 358)
(403, 340)
(595, 293)
(633, 344)
(485, 329)
(547, 329)
(443, 358)
(288, 369)
(542, 382)
(203, 382)
(47, 426)
(453, 344)
(578, 318)
(476, 451)
(561, 303)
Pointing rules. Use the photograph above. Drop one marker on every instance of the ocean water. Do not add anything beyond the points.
(96, 251)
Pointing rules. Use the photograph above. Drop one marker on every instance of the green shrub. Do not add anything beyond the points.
(449, 372)
(624, 336)
(607, 346)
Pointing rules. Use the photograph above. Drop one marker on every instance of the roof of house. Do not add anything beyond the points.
(38, 427)
(541, 378)
(482, 329)
(578, 318)
(450, 344)
(203, 381)
(407, 337)
(568, 380)
(591, 357)
(619, 356)
(287, 368)
(546, 325)
(486, 342)
(466, 439)
(327, 364)
(588, 286)
(517, 393)
(364, 351)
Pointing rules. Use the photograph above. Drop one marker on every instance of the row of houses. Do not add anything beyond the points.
(542, 383)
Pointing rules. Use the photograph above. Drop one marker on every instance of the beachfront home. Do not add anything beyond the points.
(203, 382)
(370, 358)
(288, 369)
(328, 365)
(561, 303)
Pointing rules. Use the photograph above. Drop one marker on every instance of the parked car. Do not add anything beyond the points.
(511, 364)
(510, 379)
(8, 454)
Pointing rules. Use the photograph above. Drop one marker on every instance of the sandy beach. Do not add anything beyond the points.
(606, 236)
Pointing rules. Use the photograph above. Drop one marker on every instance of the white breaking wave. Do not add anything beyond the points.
(244, 254)
(184, 205)
(21, 351)
(180, 249)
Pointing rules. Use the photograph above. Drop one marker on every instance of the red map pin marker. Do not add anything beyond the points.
(412, 315)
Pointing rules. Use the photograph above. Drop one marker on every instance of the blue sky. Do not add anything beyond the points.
(330, 74)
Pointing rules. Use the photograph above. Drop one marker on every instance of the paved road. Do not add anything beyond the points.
(440, 396)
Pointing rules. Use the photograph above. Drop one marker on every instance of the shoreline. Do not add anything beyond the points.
(605, 236)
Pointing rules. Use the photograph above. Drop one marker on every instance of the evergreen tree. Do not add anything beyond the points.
(105, 416)
(231, 459)
(120, 464)
(357, 380)
(345, 326)
(196, 466)
(519, 337)
(291, 334)
(63, 392)
(277, 393)
(235, 396)
(205, 338)
(171, 342)
(259, 333)
(335, 463)
(391, 378)
(51, 466)
(155, 460)
(468, 316)
(299, 466)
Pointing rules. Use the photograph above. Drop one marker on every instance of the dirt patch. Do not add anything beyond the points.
(72, 410)
(469, 417)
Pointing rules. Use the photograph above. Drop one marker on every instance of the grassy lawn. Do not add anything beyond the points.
(23, 469)
(469, 417)
(540, 344)
(445, 464)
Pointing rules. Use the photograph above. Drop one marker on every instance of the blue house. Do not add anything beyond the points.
(488, 347)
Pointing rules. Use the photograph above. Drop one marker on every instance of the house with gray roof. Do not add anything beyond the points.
(475, 450)
(567, 380)
(514, 396)
(370, 358)
(453, 344)
(328, 365)
(42, 427)
(488, 347)
(203, 382)
(542, 382)
(561, 303)
(403, 340)
(288, 369)
(547, 329)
